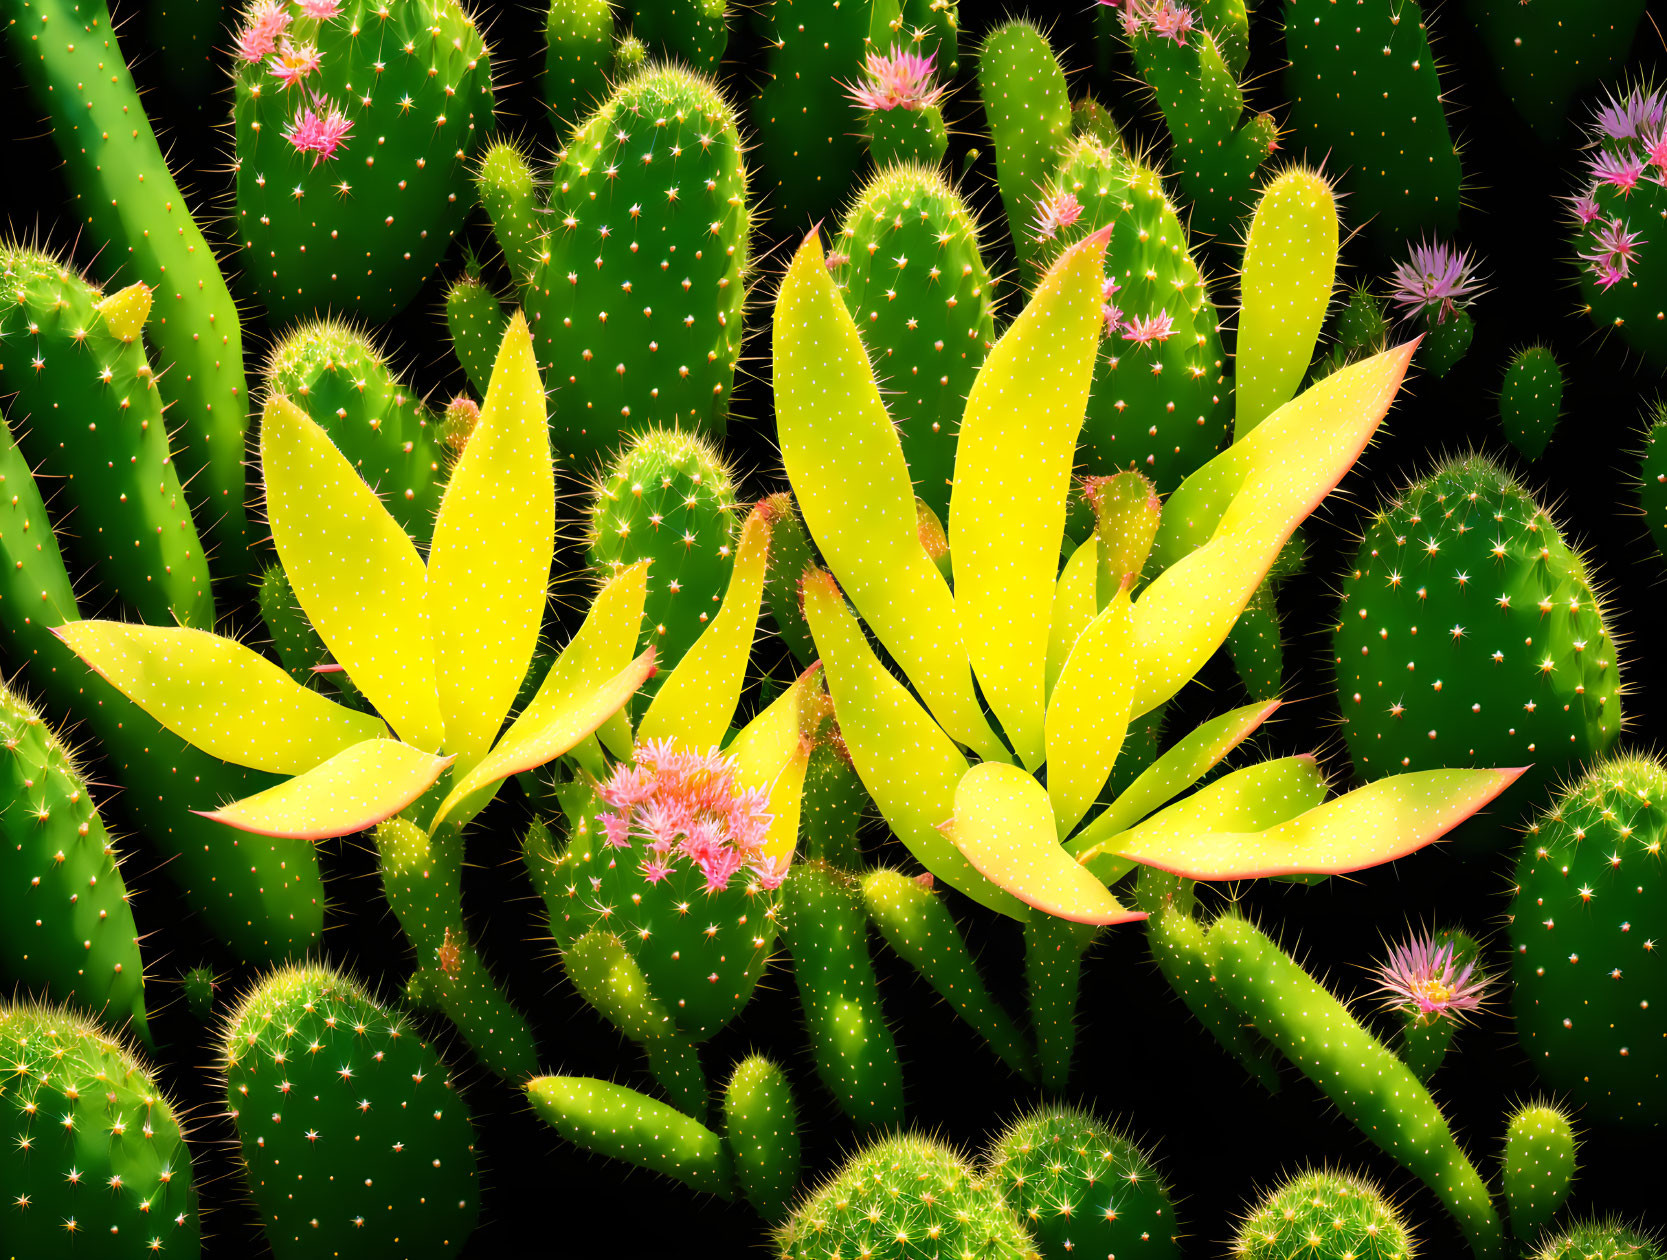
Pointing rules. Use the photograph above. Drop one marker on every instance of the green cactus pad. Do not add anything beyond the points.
(92, 1161)
(1029, 114)
(761, 1127)
(1531, 399)
(900, 1198)
(1324, 1216)
(355, 223)
(1590, 995)
(578, 43)
(1652, 478)
(1538, 1166)
(199, 986)
(353, 1136)
(625, 1125)
(1470, 635)
(1082, 1187)
(1600, 1240)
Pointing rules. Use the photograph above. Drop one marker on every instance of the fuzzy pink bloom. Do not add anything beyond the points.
(1623, 119)
(836, 260)
(899, 79)
(1619, 170)
(261, 28)
(1421, 979)
(319, 134)
(1143, 330)
(684, 810)
(1109, 310)
(1438, 277)
(1170, 20)
(323, 10)
(1655, 153)
(1608, 272)
(293, 62)
(1585, 209)
(1057, 212)
(1617, 249)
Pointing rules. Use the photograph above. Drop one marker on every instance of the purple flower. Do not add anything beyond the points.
(1438, 277)
(1420, 979)
(1624, 119)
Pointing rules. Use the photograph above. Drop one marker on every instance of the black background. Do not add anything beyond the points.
(1141, 1057)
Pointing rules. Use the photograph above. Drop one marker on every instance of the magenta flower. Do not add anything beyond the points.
(319, 134)
(323, 10)
(1617, 249)
(1619, 170)
(898, 80)
(1438, 277)
(1586, 209)
(1625, 119)
(293, 62)
(680, 808)
(1421, 979)
(1655, 153)
(1109, 310)
(1143, 330)
(1055, 214)
(265, 22)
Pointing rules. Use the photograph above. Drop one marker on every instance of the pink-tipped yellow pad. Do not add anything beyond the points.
(355, 789)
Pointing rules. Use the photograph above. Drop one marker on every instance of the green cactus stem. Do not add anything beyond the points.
(934, 30)
(790, 555)
(578, 44)
(1028, 111)
(622, 1124)
(692, 31)
(1537, 1167)
(1054, 953)
(761, 1128)
(1531, 399)
(833, 806)
(1652, 478)
(1324, 1216)
(199, 985)
(475, 322)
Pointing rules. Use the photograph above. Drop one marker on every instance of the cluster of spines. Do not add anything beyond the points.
(1323, 1215)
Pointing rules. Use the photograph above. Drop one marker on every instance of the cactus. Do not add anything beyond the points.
(623, 1124)
(910, 269)
(630, 56)
(578, 45)
(1368, 1084)
(1584, 926)
(1431, 982)
(351, 1130)
(1531, 399)
(826, 932)
(1614, 216)
(835, 802)
(1082, 1186)
(1433, 289)
(68, 931)
(1545, 54)
(1365, 94)
(810, 133)
(693, 31)
(585, 286)
(91, 1152)
(1029, 115)
(761, 1129)
(1537, 1166)
(1469, 634)
(1652, 477)
(901, 1197)
(199, 985)
(88, 415)
(904, 111)
(667, 497)
(348, 195)
(475, 322)
(920, 929)
(338, 377)
(1326, 1216)
(1054, 954)
(124, 191)
(934, 29)
(790, 556)
(1595, 1239)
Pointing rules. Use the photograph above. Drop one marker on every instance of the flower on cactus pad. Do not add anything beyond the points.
(675, 804)
(1422, 979)
(1621, 171)
(322, 10)
(1439, 278)
(1629, 117)
(293, 62)
(1056, 212)
(1617, 248)
(1143, 330)
(320, 134)
(1110, 312)
(1163, 18)
(899, 79)
(262, 26)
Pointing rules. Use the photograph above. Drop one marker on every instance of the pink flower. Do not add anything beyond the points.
(1624, 119)
(1057, 212)
(1108, 309)
(265, 22)
(1170, 20)
(319, 134)
(1438, 277)
(293, 63)
(323, 10)
(1420, 979)
(1655, 152)
(898, 80)
(1617, 249)
(1143, 330)
(1619, 170)
(1585, 209)
(686, 810)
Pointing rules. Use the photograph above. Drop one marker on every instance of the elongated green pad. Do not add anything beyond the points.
(619, 1122)
(761, 1129)
(1029, 113)
(1537, 1166)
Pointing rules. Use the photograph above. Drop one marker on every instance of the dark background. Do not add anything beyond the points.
(1141, 1057)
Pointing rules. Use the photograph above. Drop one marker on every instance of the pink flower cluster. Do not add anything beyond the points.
(1421, 979)
(1163, 18)
(676, 805)
(1631, 149)
(1056, 213)
(320, 129)
(292, 63)
(1143, 330)
(897, 80)
(1438, 277)
(265, 22)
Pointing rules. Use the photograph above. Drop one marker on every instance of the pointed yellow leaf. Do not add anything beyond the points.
(1088, 715)
(853, 490)
(489, 564)
(356, 574)
(904, 759)
(1185, 613)
(221, 697)
(772, 751)
(1013, 459)
(357, 788)
(1004, 826)
(1074, 606)
(697, 703)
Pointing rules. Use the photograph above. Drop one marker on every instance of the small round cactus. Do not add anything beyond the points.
(1600, 1240)
(1531, 399)
(1325, 1216)
(1433, 288)
(1082, 1187)
(199, 986)
(1538, 1166)
(903, 1198)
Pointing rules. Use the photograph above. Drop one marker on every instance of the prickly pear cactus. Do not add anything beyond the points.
(67, 931)
(1082, 1187)
(909, 265)
(578, 42)
(1531, 399)
(87, 413)
(900, 1198)
(1616, 216)
(1469, 634)
(668, 497)
(635, 280)
(1029, 115)
(1538, 1166)
(355, 126)
(1326, 1216)
(91, 1157)
(1600, 1240)
(353, 1136)
(1590, 997)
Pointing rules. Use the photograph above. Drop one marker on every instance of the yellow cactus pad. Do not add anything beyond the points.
(125, 311)
(1088, 714)
(773, 749)
(1075, 601)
